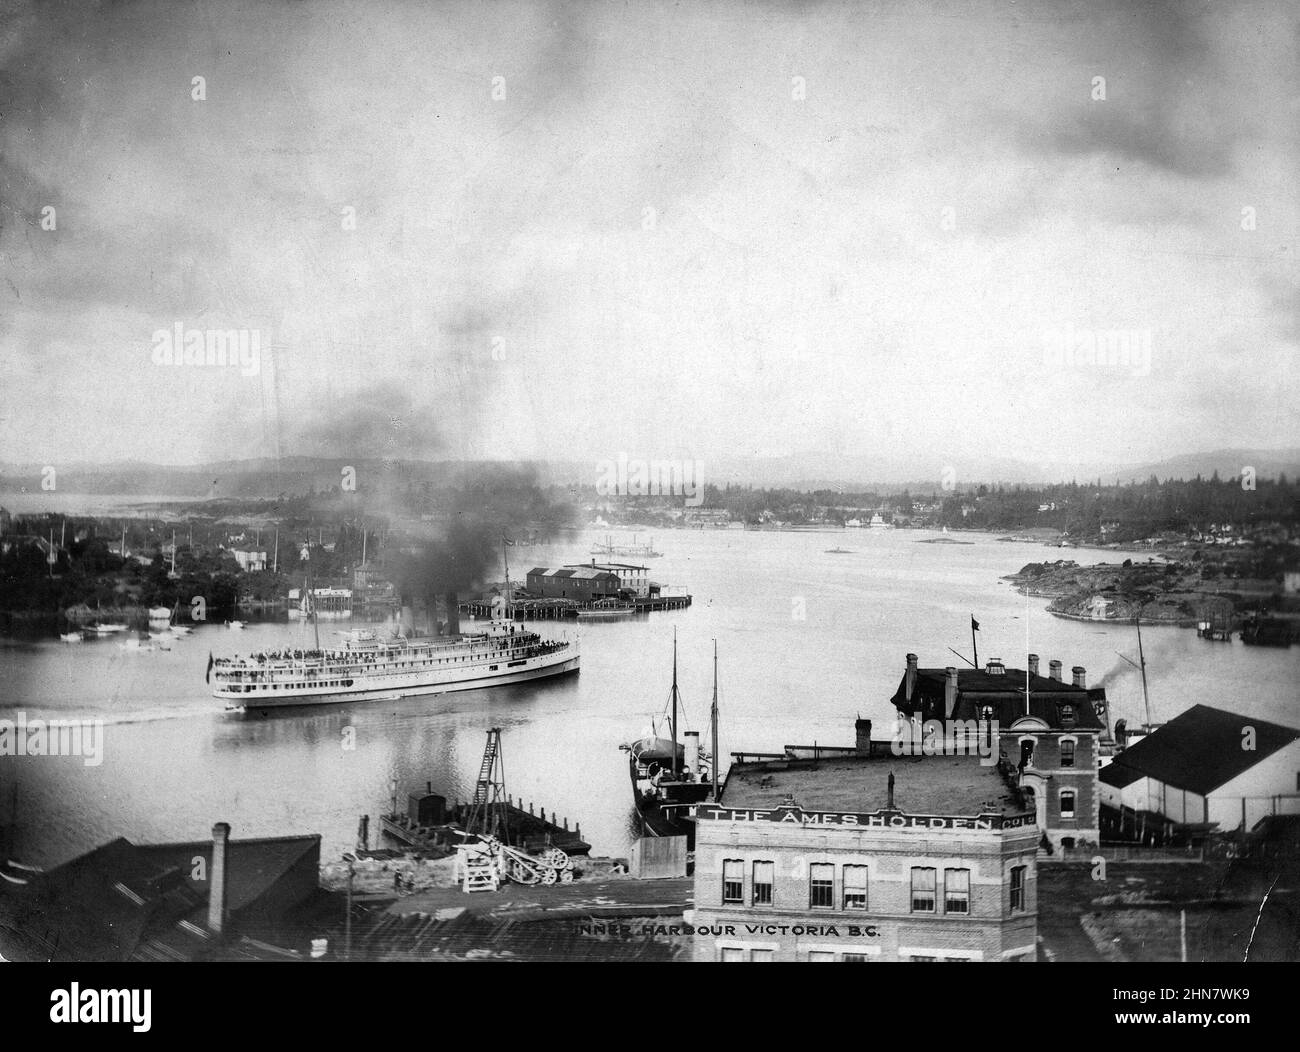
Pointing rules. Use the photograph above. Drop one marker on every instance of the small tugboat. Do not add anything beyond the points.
(669, 778)
(839, 551)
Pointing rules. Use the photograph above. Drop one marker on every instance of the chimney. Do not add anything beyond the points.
(1080, 676)
(995, 667)
(890, 805)
(950, 693)
(693, 753)
(1054, 672)
(1033, 664)
(862, 734)
(911, 677)
(217, 879)
(453, 614)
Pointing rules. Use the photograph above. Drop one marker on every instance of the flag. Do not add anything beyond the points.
(207, 676)
(974, 625)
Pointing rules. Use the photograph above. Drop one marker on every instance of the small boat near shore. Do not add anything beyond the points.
(71, 637)
(109, 629)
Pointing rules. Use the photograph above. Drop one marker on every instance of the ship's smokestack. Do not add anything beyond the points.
(950, 693)
(1054, 670)
(408, 620)
(911, 676)
(1080, 676)
(453, 614)
(693, 753)
(217, 879)
(1033, 664)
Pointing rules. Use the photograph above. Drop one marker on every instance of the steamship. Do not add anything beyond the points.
(670, 778)
(367, 668)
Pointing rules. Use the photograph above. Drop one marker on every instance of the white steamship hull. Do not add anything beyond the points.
(329, 686)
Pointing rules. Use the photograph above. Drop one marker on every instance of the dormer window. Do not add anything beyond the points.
(1066, 713)
(987, 712)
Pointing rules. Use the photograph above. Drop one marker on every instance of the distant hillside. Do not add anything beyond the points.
(267, 478)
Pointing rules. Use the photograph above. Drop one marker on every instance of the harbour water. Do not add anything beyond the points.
(807, 640)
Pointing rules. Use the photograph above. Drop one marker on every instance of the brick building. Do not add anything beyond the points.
(1049, 730)
(869, 857)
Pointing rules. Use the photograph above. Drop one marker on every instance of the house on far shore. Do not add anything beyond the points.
(1206, 770)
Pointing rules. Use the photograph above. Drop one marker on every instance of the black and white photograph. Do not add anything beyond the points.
(576, 481)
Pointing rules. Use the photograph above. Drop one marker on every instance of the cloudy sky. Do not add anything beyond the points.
(573, 230)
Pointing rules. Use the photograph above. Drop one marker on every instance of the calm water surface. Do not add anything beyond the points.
(807, 641)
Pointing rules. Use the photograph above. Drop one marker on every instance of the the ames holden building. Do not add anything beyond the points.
(826, 860)
(860, 854)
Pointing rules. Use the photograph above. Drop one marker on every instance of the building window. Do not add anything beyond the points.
(762, 955)
(1067, 715)
(858, 957)
(1027, 753)
(855, 887)
(1067, 754)
(821, 885)
(733, 880)
(821, 956)
(763, 873)
(956, 891)
(731, 953)
(1067, 803)
(1017, 887)
(922, 890)
(923, 958)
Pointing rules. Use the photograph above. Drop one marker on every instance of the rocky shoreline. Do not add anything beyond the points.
(1158, 593)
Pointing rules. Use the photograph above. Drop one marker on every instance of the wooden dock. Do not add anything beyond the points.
(530, 832)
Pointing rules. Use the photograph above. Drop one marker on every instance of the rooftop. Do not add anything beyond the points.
(1198, 750)
(1006, 693)
(925, 785)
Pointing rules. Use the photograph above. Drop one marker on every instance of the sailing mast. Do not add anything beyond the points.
(674, 722)
(1142, 666)
(310, 595)
(505, 554)
(714, 720)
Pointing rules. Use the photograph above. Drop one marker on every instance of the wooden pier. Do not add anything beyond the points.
(529, 831)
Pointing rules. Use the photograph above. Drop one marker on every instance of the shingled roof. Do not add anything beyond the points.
(1198, 751)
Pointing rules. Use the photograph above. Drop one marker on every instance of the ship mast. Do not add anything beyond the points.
(674, 699)
(311, 597)
(714, 719)
(1142, 665)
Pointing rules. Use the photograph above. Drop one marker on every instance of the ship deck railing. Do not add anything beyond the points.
(358, 659)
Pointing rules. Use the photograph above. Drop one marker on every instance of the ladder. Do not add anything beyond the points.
(488, 811)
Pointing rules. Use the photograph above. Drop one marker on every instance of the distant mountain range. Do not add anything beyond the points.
(267, 478)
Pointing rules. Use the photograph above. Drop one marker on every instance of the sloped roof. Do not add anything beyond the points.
(105, 904)
(1006, 692)
(1199, 750)
(585, 573)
